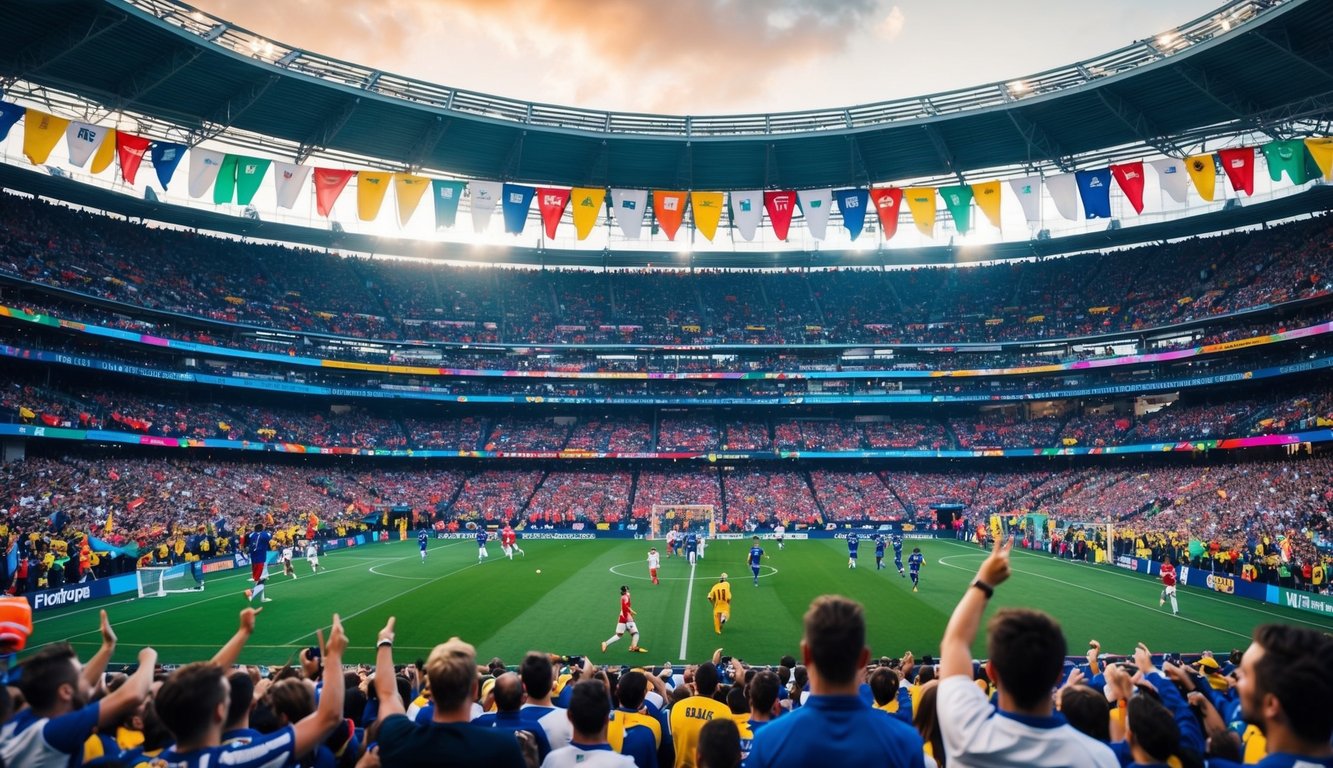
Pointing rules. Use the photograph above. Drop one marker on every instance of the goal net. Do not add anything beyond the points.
(160, 581)
(689, 517)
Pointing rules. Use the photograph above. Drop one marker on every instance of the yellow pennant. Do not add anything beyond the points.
(370, 189)
(987, 195)
(586, 203)
(1203, 172)
(41, 133)
(105, 153)
(921, 202)
(707, 212)
(409, 190)
(1321, 149)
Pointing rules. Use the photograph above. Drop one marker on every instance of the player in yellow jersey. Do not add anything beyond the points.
(720, 597)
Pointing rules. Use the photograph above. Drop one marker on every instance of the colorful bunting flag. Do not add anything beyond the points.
(249, 175)
(1129, 176)
(815, 205)
(1321, 149)
(224, 187)
(1064, 193)
(747, 210)
(551, 202)
(1238, 163)
(408, 190)
(958, 199)
(83, 139)
(888, 204)
(371, 187)
(987, 195)
(9, 115)
(41, 133)
(1172, 177)
(781, 205)
(587, 208)
(289, 179)
(1028, 191)
(204, 166)
(329, 184)
(1286, 157)
(921, 202)
(446, 195)
(106, 153)
(669, 208)
(1203, 172)
(1095, 189)
(707, 207)
(484, 195)
(628, 207)
(515, 202)
(167, 157)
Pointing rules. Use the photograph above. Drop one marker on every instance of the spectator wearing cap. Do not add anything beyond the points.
(589, 707)
(835, 726)
(1027, 651)
(1212, 672)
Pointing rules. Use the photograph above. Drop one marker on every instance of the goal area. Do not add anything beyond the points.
(696, 517)
(160, 581)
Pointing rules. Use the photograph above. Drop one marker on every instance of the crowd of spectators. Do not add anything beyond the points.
(854, 496)
(762, 497)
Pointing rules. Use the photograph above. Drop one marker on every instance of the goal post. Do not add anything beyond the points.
(160, 581)
(697, 517)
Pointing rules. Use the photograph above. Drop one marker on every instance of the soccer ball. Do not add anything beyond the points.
(539, 570)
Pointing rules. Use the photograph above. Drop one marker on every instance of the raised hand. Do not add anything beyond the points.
(108, 634)
(337, 642)
(995, 570)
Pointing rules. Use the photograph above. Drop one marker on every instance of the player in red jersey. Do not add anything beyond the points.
(626, 624)
(509, 542)
(1169, 586)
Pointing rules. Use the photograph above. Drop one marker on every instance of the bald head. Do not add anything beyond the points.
(508, 692)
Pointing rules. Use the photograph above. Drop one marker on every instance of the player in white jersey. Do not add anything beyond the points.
(671, 542)
(703, 542)
(312, 555)
(654, 562)
(287, 569)
(778, 533)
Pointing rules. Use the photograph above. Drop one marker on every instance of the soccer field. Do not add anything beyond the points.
(506, 608)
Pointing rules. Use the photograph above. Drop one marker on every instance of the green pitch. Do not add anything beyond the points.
(506, 608)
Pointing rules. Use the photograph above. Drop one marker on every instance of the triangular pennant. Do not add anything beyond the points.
(587, 203)
(1203, 172)
(781, 205)
(889, 205)
(958, 199)
(204, 165)
(41, 133)
(852, 206)
(515, 202)
(106, 154)
(1286, 157)
(1095, 189)
(551, 202)
(921, 202)
(446, 194)
(1238, 163)
(408, 190)
(1130, 178)
(371, 187)
(329, 184)
(224, 186)
(1172, 177)
(1028, 191)
(83, 139)
(747, 210)
(249, 174)
(289, 178)
(9, 115)
(1064, 193)
(484, 195)
(1321, 149)
(815, 205)
(130, 149)
(707, 208)
(167, 157)
(628, 206)
(987, 195)
(669, 208)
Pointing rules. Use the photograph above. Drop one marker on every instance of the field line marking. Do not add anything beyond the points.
(685, 625)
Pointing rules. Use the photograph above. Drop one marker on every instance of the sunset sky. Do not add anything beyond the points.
(708, 56)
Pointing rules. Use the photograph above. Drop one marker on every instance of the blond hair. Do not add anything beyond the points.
(452, 671)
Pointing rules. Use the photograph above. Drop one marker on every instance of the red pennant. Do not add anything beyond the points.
(1238, 162)
(552, 201)
(888, 201)
(131, 149)
(1130, 178)
(669, 208)
(780, 205)
(329, 183)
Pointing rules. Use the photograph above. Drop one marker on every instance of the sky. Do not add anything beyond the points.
(698, 57)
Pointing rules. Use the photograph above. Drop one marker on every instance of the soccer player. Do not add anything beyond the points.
(756, 554)
(671, 541)
(287, 555)
(509, 542)
(422, 539)
(691, 546)
(853, 541)
(482, 554)
(626, 624)
(703, 542)
(778, 533)
(720, 597)
(312, 555)
(257, 544)
(879, 552)
(898, 553)
(1169, 587)
(654, 562)
(914, 563)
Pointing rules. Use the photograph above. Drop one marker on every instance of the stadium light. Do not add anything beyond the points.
(1019, 87)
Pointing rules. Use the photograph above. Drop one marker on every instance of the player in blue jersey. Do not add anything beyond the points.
(756, 555)
(422, 539)
(853, 541)
(691, 546)
(898, 553)
(256, 546)
(482, 554)
(914, 563)
(879, 552)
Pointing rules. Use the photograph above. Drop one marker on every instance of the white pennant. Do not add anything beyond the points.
(815, 205)
(1171, 173)
(290, 178)
(628, 206)
(747, 210)
(1064, 192)
(204, 167)
(1028, 190)
(83, 140)
(484, 195)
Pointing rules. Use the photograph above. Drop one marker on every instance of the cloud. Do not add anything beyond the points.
(891, 26)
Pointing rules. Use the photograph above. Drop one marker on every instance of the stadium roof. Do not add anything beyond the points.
(1252, 66)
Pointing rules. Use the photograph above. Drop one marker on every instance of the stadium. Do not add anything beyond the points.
(1088, 312)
